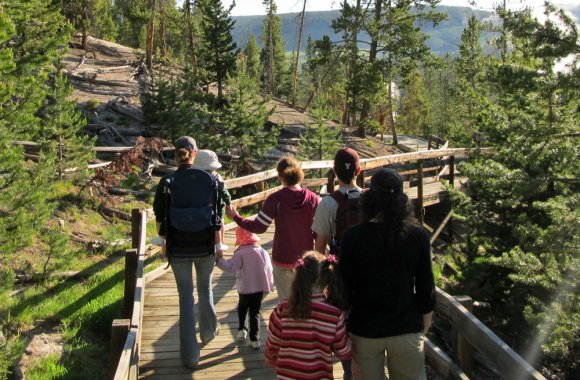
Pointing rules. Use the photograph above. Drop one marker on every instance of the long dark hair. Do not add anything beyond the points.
(386, 201)
(314, 269)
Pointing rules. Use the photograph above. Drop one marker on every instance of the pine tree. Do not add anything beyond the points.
(415, 111)
(319, 141)
(90, 17)
(252, 54)
(217, 50)
(522, 203)
(273, 54)
(131, 16)
(62, 130)
(32, 36)
(244, 121)
(401, 44)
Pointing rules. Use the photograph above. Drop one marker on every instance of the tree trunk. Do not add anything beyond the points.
(364, 113)
(391, 115)
(271, 50)
(162, 30)
(352, 69)
(150, 34)
(295, 76)
(190, 36)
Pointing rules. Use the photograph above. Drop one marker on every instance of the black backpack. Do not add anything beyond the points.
(191, 216)
(348, 214)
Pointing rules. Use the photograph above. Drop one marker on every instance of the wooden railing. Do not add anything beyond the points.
(126, 333)
(470, 333)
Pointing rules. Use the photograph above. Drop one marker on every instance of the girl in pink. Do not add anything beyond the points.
(253, 269)
(306, 330)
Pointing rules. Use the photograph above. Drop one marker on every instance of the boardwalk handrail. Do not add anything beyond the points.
(508, 363)
(127, 367)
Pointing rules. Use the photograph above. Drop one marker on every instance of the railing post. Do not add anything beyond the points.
(131, 260)
(360, 179)
(119, 331)
(429, 143)
(330, 182)
(463, 350)
(135, 227)
(420, 191)
(452, 171)
(452, 184)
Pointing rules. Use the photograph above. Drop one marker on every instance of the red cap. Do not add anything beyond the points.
(346, 162)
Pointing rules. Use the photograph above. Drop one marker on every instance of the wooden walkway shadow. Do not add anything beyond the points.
(224, 357)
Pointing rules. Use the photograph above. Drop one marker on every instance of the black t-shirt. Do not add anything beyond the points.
(389, 289)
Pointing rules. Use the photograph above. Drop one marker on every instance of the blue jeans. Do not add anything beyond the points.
(182, 270)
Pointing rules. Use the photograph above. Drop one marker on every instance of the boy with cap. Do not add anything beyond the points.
(254, 278)
(346, 168)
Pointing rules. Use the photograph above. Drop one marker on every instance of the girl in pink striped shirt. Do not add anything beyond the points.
(305, 331)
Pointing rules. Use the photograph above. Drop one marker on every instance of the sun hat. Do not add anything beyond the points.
(245, 237)
(185, 142)
(346, 162)
(206, 160)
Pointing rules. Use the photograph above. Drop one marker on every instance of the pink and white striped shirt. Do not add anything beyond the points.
(303, 349)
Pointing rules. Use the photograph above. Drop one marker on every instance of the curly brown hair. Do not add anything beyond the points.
(289, 170)
(315, 269)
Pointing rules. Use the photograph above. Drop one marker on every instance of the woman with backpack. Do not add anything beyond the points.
(292, 210)
(386, 270)
(178, 199)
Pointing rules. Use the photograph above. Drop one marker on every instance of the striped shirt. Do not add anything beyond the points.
(303, 349)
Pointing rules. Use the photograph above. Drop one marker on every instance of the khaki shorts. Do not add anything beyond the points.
(404, 356)
(283, 278)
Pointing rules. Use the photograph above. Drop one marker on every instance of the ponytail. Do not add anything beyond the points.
(183, 155)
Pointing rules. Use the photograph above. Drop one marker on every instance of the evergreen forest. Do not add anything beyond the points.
(507, 80)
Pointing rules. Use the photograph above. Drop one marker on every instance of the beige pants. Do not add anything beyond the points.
(283, 278)
(404, 354)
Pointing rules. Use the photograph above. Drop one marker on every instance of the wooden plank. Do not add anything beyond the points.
(442, 363)
(122, 372)
(507, 362)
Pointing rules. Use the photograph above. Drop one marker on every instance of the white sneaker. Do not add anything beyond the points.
(255, 344)
(225, 247)
(242, 334)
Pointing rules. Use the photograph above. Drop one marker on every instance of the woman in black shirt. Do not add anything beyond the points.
(386, 268)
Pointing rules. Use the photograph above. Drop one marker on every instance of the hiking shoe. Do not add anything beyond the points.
(242, 334)
(255, 344)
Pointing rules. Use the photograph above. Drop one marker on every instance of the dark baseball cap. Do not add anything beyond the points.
(185, 142)
(346, 162)
(386, 181)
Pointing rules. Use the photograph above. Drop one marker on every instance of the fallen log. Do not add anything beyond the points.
(91, 80)
(130, 112)
(115, 213)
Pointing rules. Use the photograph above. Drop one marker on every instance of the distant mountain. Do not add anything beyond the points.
(443, 39)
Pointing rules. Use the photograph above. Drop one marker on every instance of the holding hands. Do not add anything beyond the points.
(231, 211)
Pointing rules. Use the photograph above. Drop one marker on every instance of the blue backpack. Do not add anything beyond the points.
(191, 200)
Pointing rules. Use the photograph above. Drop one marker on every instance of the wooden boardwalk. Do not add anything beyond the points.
(224, 357)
